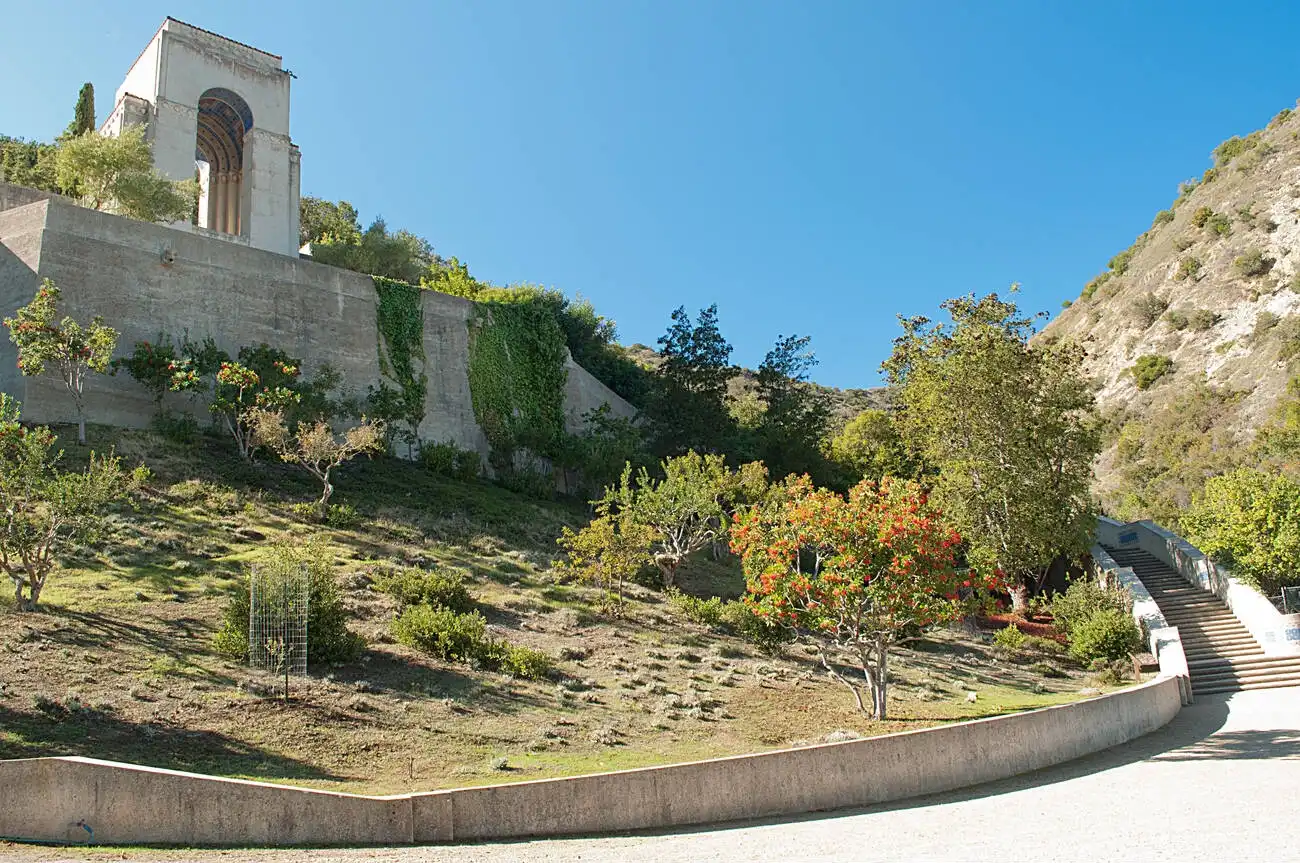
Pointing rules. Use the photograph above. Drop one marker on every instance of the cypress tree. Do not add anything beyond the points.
(83, 120)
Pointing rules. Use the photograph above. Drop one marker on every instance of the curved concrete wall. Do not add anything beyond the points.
(75, 799)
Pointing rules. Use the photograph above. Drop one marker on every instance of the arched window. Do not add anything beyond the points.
(224, 117)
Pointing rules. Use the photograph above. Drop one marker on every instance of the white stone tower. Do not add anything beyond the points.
(218, 108)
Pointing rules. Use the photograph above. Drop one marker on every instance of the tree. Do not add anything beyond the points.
(160, 368)
(321, 221)
(46, 512)
(794, 422)
(240, 392)
(116, 175)
(314, 447)
(1250, 521)
(1279, 440)
(870, 447)
(1010, 427)
(850, 576)
(606, 553)
(83, 119)
(688, 402)
(74, 351)
(684, 510)
(28, 163)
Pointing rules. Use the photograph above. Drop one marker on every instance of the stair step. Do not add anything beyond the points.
(1197, 655)
(1228, 687)
(1226, 673)
(1251, 662)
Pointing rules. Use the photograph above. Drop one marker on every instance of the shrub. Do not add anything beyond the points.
(1105, 634)
(441, 632)
(1188, 268)
(449, 460)
(526, 663)
(440, 587)
(180, 428)
(1252, 263)
(1201, 216)
(342, 516)
(1163, 217)
(1119, 264)
(1150, 368)
(1044, 645)
(1176, 319)
(704, 611)
(1010, 638)
(1219, 224)
(1264, 322)
(1183, 243)
(1097, 281)
(528, 482)
(1148, 308)
(1280, 118)
(766, 634)
(1081, 600)
(1202, 319)
(328, 637)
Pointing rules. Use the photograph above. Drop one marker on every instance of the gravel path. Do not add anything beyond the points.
(1218, 783)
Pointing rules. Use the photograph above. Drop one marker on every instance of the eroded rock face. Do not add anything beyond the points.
(1224, 263)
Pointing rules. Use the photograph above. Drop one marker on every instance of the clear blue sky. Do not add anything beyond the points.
(812, 167)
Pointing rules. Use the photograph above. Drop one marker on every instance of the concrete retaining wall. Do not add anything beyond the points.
(1277, 633)
(149, 279)
(57, 799)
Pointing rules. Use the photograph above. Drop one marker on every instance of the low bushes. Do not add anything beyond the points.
(1150, 368)
(449, 460)
(436, 617)
(734, 616)
(1097, 622)
(414, 586)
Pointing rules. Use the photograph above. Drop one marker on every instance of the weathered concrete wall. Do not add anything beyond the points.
(17, 196)
(47, 799)
(116, 267)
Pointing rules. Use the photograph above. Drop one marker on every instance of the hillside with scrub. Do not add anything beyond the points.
(752, 562)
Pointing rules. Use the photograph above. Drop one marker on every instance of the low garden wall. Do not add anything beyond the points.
(1277, 633)
(79, 800)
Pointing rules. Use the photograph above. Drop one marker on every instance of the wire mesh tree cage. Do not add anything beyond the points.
(277, 619)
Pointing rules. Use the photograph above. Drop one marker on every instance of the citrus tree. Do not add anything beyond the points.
(606, 553)
(73, 350)
(850, 575)
(45, 511)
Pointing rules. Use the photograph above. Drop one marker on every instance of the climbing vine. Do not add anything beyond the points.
(400, 322)
(517, 376)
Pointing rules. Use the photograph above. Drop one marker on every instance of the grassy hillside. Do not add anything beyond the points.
(1209, 295)
(120, 664)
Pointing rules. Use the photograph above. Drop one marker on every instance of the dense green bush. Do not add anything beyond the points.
(1252, 263)
(449, 460)
(704, 611)
(741, 619)
(1105, 634)
(328, 637)
(1220, 224)
(1119, 264)
(1149, 368)
(1081, 600)
(1097, 622)
(1249, 520)
(1201, 216)
(1010, 638)
(527, 663)
(442, 632)
(414, 586)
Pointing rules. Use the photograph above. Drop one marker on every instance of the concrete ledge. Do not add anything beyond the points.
(65, 799)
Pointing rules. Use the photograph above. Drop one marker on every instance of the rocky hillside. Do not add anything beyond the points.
(1211, 292)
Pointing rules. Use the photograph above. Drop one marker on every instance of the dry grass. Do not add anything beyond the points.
(119, 664)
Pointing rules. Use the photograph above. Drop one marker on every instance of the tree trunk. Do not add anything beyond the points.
(880, 685)
(81, 428)
(667, 568)
(830, 670)
(1019, 598)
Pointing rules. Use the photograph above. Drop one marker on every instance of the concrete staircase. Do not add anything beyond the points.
(1222, 655)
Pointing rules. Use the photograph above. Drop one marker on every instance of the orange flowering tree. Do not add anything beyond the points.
(851, 575)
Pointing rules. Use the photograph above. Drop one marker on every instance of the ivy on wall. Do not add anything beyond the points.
(517, 376)
(399, 319)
